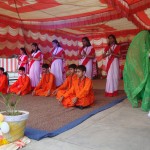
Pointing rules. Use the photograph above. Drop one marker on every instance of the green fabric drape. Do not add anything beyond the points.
(136, 73)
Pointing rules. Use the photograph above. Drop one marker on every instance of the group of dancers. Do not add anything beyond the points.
(77, 88)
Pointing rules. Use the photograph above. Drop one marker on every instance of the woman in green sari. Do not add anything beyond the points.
(137, 71)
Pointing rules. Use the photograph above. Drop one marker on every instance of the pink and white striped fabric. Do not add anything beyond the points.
(9, 64)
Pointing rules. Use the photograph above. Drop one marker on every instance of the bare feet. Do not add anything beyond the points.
(19, 93)
(149, 114)
(74, 100)
(33, 93)
(55, 92)
(48, 93)
(8, 90)
(61, 99)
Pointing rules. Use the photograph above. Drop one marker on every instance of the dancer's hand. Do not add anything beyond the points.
(109, 53)
(84, 54)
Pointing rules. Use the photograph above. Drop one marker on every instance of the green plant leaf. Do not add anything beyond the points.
(10, 101)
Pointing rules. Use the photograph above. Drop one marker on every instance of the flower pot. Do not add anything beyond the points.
(17, 126)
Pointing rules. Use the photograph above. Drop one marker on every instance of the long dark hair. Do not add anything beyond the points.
(5, 73)
(87, 40)
(2, 69)
(24, 50)
(56, 41)
(113, 36)
(36, 45)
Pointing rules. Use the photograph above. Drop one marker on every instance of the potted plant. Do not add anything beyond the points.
(13, 121)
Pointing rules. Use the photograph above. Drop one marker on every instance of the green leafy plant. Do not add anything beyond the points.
(10, 101)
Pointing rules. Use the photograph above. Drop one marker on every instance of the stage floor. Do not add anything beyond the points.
(118, 128)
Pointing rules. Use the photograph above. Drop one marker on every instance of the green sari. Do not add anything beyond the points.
(136, 73)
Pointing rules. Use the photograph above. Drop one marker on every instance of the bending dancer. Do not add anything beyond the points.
(81, 93)
(57, 55)
(112, 54)
(68, 82)
(136, 73)
(23, 59)
(86, 56)
(34, 65)
(3, 81)
(23, 85)
(47, 84)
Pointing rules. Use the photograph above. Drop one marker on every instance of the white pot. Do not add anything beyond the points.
(23, 116)
(17, 125)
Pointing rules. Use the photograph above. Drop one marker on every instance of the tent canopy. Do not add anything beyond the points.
(77, 17)
(25, 21)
